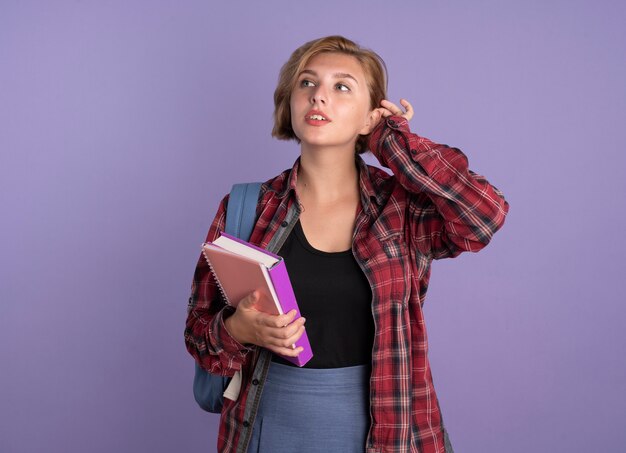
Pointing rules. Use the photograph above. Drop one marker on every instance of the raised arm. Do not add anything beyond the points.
(451, 208)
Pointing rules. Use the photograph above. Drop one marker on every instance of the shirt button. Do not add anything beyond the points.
(246, 424)
(392, 123)
(414, 152)
(284, 224)
(255, 382)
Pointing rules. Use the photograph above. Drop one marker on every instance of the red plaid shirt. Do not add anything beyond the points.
(432, 207)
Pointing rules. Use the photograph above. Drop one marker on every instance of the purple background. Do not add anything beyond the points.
(123, 123)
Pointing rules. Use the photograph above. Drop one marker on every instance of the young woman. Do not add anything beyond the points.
(358, 244)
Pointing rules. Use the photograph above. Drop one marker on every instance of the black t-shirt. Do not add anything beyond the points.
(335, 297)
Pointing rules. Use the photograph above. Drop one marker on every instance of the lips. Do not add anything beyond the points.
(316, 118)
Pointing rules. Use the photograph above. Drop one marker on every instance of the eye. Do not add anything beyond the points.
(306, 83)
(342, 87)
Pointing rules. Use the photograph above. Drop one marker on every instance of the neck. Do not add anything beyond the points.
(327, 174)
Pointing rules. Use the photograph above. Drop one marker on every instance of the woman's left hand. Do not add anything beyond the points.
(388, 108)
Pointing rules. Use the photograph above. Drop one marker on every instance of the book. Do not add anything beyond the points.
(240, 268)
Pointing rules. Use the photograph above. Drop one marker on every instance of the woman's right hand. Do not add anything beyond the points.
(274, 332)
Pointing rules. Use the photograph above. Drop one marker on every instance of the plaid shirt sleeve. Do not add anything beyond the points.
(462, 210)
(206, 337)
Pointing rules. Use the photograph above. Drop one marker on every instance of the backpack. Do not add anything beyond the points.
(208, 389)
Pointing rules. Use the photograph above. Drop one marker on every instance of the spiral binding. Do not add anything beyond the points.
(217, 280)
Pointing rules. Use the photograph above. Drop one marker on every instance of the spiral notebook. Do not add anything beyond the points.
(240, 268)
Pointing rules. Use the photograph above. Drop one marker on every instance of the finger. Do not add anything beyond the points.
(385, 112)
(391, 107)
(275, 321)
(290, 329)
(296, 336)
(288, 352)
(287, 344)
(283, 320)
(291, 332)
(283, 336)
(397, 111)
(408, 107)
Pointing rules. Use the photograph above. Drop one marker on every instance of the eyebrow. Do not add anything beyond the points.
(337, 75)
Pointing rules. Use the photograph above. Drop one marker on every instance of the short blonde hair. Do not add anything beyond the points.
(372, 64)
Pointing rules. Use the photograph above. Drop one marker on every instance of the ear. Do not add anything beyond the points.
(373, 118)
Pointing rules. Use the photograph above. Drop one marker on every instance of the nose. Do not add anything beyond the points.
(319, 95)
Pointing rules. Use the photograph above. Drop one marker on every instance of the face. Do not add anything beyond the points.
(330, 103)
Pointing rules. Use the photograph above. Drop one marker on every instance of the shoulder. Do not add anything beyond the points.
(278, 188)
(383, 185)
(278, 184)
(269, 188)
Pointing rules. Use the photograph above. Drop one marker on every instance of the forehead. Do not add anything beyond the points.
(336, 63)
